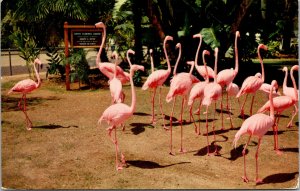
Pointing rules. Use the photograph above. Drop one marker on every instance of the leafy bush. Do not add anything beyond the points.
(54, 62)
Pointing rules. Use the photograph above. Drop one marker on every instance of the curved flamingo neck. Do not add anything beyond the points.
(151, 61)
(115, 71)
(101, 46)
(204, 63)
(271, 100)
(177, 61)
(236, 69)
(128, 59)
(133, 96)
(216, 64)
(294, 84)
(285, 79)
(166, 55)
(192, 67)
(261, 64)
(198, 49)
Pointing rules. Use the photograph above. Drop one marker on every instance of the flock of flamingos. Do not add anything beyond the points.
(191, 89)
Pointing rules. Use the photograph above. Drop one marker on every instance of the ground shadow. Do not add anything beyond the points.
(272, 133)
(225, 112)
(141, 114)
(294, 150)
(212, 148)
(149, 164)
(217, 132)
(53, 126)
(236, 153)
(11, 103)
(167, 117)
(139, 127)
(279, 178)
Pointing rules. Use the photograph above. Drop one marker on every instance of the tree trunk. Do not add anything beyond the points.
(136, 6)
(240, 15)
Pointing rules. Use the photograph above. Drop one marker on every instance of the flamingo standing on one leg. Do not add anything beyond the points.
(212, 92)
(197, 91)
(252, 83)
(281, 103)
(115, 85)
(225, 77)
(157, 79)
(256, 125)
(26, 86)
(108, 68)
(118, 113)
(288, 91)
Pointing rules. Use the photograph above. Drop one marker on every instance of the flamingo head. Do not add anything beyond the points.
(151, 51)
(38, 61)
(135, 67)
(258, 75)
(130, 51)
(284, 69)
(237, 34)
(168, 38)
(197, 35)
(295, 67)
(206, 52)
(274, 84)
(100, 25)
(178, 45)
(190, 63)
(262, 46)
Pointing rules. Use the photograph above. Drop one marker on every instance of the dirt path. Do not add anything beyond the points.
(67, 150)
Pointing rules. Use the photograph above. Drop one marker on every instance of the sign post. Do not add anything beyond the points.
(82, 36)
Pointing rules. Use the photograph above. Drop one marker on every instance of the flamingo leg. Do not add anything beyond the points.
(222, 128)
(115, 142)
(161, 110)
(258, 181)
(213, 126)
(152, 101)
(171, 119)
(200, 104)
(245, 178)
(278, 152)
(27, 120)
(242, 108)
(229, 111)
(208, 153)
(192, 118)
(295, 113)
(181, 128)
(252, 103)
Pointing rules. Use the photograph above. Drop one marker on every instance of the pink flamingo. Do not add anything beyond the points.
(232, 90)
(288, 91)
(252, 83)
(265, 88)
(280, 104)
(212, 92)
(118, 113)
(115, 85)
(197, 91)
(181, 85)
(26, 86)
(108, 68)
(157, 79)
(201, 69)
(225, 77)
(256, 125)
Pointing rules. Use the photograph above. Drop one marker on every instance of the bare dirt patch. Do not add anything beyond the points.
(67, 150)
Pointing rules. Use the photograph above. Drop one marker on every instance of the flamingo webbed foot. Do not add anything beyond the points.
(171, 153)
(245, 178)
(182, 151)
(278, 152)
(259, 181)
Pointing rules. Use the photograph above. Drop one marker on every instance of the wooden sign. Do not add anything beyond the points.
(86, 38)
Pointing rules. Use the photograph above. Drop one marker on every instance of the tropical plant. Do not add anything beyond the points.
(27, 47)
(54, 62)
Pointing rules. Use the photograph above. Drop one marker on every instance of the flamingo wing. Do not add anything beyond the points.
(115, 87)
(225, 77)
(250, 85)
(211, 92)
(24, 86)
(157, 78)
(280, 104)
(116, 114)
(201, 70)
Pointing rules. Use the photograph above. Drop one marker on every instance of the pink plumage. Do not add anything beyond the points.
(108, 68)
(256, 125)
(118, 113)
(26, 86)
(252, 83)
(115, 85)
